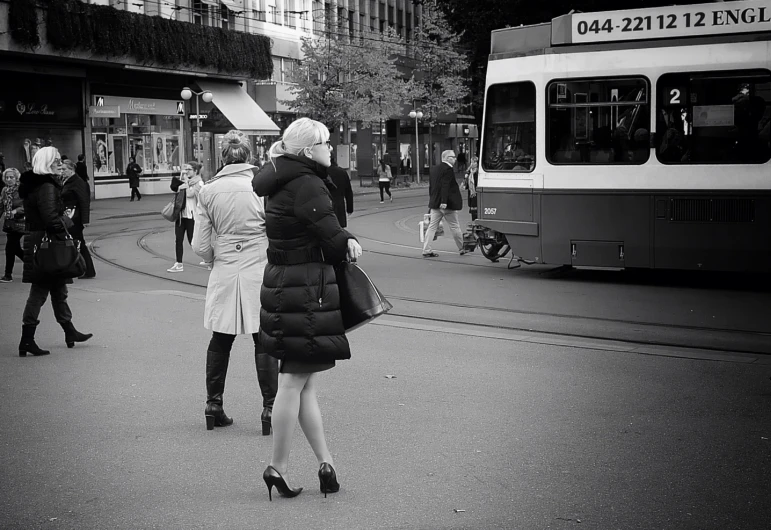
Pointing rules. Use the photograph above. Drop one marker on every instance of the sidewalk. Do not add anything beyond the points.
(121, 207)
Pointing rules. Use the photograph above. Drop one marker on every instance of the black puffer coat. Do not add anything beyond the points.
(300, 318)
(44, 210)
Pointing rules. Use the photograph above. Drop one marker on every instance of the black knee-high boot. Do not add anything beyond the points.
(267, 376)
(216, 372)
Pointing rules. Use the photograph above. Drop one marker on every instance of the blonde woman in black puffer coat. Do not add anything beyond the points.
(41, 190)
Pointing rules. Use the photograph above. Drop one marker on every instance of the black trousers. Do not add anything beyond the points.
(38, 294)
(13, 250)
(77, 234)
(182, 226)
(135, 192)
(384, 186)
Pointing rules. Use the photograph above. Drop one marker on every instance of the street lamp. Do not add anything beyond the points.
(207, 96)
(417, 115)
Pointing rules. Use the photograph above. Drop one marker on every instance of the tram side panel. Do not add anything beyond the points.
(716, 231)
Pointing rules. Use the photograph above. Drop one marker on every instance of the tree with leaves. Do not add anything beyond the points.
(439, 83)
(341, 80)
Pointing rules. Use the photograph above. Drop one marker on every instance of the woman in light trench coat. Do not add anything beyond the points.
(230, 234)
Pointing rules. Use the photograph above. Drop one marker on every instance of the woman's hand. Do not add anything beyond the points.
(354, 250)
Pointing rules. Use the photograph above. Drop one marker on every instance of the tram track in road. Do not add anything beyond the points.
(662, 335)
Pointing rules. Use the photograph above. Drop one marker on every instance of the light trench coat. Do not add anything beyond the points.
(230, 234)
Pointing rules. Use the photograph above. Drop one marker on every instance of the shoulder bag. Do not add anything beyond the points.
(172, 210)
(58, 258)
(360, 300)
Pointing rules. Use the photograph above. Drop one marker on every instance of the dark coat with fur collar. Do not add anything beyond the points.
(300, 318)
(44, 212)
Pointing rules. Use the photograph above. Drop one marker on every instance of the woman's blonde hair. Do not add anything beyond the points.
(301, 134)
(44, 159)
(237, 149)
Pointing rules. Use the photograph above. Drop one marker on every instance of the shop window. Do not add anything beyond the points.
(714, 118)
(509, 137)
(598, 121)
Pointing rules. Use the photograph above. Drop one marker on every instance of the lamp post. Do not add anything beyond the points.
(417, 115)
(208, 97)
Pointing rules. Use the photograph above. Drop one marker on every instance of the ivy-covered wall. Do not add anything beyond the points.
(74, 26)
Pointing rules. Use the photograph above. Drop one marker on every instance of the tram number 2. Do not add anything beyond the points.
(675, 96)
(490, 211)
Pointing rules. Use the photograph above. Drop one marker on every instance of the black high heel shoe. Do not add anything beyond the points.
(274, 478)
(328, 479)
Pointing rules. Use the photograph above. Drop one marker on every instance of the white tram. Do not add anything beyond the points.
(632, 138)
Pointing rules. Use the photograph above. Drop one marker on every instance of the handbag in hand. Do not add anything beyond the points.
(173, 209)
(58, 258)
(360, 300)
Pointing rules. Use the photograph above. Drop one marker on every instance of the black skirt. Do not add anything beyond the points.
(296, 367)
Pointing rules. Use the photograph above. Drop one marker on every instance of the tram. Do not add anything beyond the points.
(631, 139)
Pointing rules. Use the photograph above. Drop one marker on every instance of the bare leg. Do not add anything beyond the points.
(311, 423)
(286, 408)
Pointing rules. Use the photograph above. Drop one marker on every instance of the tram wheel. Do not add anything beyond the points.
(494, 250)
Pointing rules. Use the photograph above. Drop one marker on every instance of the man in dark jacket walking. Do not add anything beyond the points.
(445, 201)
(81, 169)
(76, 196)
(341, 191)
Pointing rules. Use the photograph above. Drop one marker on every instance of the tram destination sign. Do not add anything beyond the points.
(674, 21)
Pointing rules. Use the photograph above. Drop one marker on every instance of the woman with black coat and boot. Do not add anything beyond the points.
(230, 234)
(44, 209)
(300, 321)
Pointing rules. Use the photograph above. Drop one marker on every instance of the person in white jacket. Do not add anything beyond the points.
(230, 235)
(190, 183)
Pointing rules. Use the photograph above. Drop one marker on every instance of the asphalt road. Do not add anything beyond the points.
(448, 416)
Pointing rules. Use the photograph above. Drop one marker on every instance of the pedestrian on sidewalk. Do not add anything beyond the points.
(81, 169)
(300, 322)
(76, 196)
(445, 201)
(384, 177)
(190, 183)
(339, 185)
(12, 205)
(133, 170)
(41, 191)
(230, 234)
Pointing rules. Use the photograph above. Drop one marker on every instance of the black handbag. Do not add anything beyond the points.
(360, 300)
(58, 258)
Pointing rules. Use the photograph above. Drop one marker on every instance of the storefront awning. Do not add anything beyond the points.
(213, 3)
(239, 108)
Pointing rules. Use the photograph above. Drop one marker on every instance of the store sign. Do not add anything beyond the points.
(164, 107)
(33, 99)
(107, 111)
(199, 116)
(675, 21)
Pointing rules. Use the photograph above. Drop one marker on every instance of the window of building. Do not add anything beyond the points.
(598, 121)
(225, 15)
(714, 118)
(200, 13)
(509, 136)
(290, 17)
(271, 12)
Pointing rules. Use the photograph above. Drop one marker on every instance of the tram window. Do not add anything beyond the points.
(714, 118)
(598, 121)
(509, 136)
